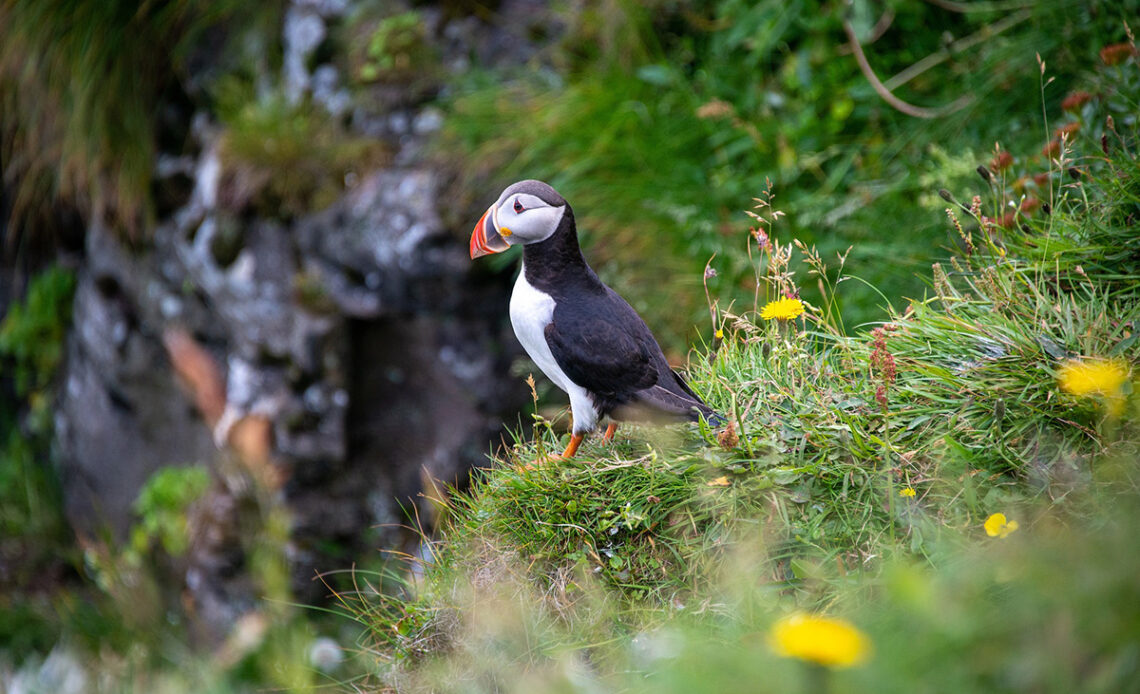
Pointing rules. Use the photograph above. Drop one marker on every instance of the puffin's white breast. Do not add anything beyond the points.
(531, 311)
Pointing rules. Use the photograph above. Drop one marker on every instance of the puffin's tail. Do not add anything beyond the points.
(699, 408)
(715, 420)
(658, 402)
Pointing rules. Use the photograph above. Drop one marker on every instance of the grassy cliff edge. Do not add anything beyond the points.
(959, 482)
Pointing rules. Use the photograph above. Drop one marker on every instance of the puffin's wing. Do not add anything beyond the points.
(601, 354)
(606, 348)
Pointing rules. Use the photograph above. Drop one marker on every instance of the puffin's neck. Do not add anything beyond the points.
(558, 261)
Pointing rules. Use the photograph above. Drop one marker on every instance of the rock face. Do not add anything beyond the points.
(358, 332)
(121, 414)
(349, 329)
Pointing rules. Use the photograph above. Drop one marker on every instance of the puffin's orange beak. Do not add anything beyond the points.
(485, 239)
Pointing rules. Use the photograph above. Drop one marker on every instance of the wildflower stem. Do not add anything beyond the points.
(886, 94)
(817, 679)
(538, 419)
(738, 417)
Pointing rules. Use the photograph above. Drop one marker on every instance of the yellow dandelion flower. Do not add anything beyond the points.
(782, 309)
(820, 640)
(1092, 376)
(997, 525)
(1088, 377)
(909, 492)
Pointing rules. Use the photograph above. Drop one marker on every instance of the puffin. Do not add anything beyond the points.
(583, 336)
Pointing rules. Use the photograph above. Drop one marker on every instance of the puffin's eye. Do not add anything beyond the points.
(518, 207)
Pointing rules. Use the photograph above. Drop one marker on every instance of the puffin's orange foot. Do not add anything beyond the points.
(609, 435)
(571, 449)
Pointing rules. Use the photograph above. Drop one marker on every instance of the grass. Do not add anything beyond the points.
(856, 480)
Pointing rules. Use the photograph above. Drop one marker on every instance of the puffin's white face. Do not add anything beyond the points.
(523, 218)
(517, 218)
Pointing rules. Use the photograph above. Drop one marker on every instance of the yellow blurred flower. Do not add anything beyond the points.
(820, 640)
(997, 525)
(1088, 377)
(907, 492)
(782, 309)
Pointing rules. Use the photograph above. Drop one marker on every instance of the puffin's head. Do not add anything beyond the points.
(526, 212)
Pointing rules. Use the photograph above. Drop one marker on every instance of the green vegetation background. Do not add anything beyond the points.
(662, 134)
(659, 564)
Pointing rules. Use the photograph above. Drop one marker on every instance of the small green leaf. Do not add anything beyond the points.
(783, 476)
